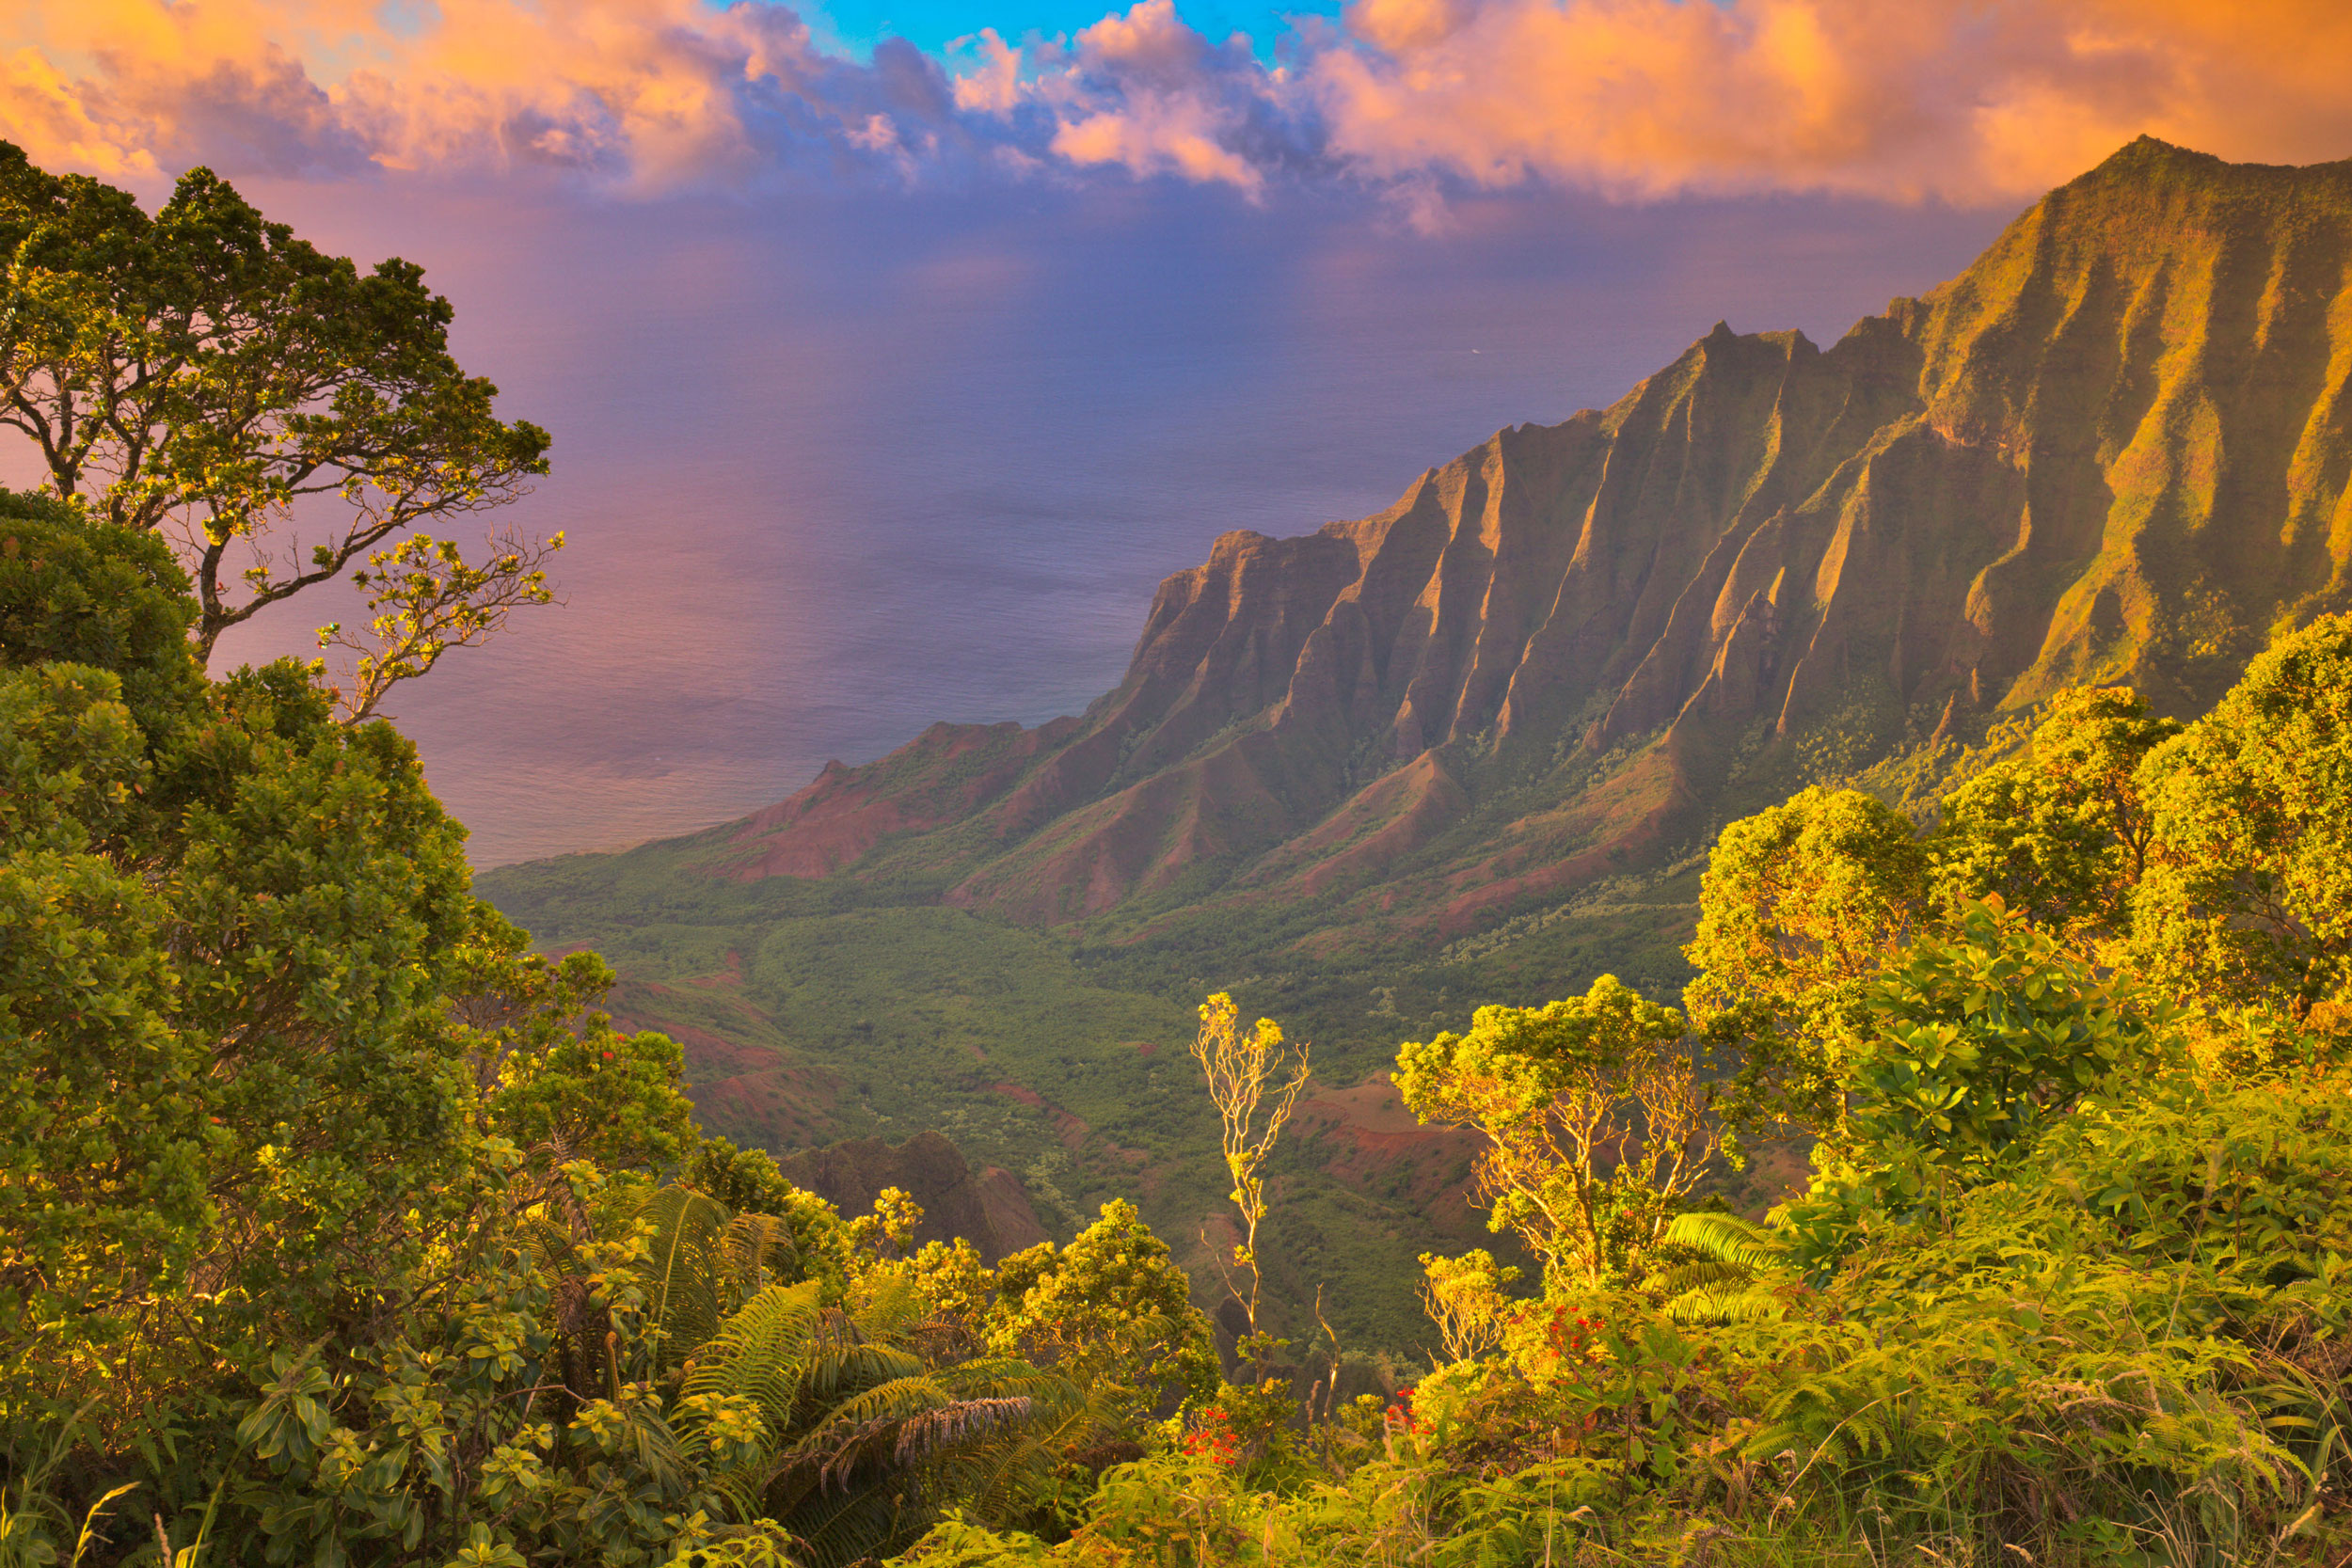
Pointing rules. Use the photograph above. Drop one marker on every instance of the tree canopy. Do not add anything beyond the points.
(279, 415)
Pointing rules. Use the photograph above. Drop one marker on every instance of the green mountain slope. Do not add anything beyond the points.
(1471, 749)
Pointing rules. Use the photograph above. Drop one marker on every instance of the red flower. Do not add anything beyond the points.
(1219, 1446)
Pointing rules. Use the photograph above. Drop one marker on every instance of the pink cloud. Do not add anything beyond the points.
(649, 92)
(1145, 91)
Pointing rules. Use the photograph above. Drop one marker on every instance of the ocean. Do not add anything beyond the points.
(835, 466)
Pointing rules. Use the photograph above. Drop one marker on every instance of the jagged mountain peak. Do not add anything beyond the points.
(2115, 448)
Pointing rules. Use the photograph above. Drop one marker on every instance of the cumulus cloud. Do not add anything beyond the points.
(1961, 99)
(644, 92)
(1143, 90)
(992, 85)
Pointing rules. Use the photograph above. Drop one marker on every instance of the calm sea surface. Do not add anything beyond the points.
(834, 468)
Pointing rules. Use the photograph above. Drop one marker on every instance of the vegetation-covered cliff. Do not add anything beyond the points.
(1472, 748)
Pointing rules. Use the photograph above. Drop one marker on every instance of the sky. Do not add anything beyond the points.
(893, 351)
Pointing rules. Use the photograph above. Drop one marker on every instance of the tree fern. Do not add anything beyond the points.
(762, 1353)
(840, 1527)
(755, 1245)
(858, 1438)
(1721, 1286)
(1739, 1301)
(842, 1362)
(688, 1272)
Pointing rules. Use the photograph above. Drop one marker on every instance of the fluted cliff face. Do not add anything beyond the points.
(2116, 449)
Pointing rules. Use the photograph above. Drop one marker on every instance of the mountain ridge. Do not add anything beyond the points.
(2042, 472)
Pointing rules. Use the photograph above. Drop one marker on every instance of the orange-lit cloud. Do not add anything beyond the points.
(1961, 99)
(1966, 99)
(650, 92)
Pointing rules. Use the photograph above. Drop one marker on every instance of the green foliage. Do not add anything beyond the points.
(71, 593)
(746, 1180)
(225, 924)
(1983, 1038)
(1724, 1283)
(1111, 1311)
(553, 1070)
(425, 598)
(1971, 1049)
(1800, 906)
(1595, 1123)
(2060, 834)
(2246, 896)
(1465, 1297)
(273, 1257)
(203, 372)
(2092, 1362)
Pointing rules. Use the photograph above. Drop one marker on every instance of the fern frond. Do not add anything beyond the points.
(839, 1364)
(876, 1408)
(955, 1426)
(688, 1276)
(904, 1440)
(1004, 1376)
(755, 1245)
(1691, 1276)
(1725, 1239)
(1734, 1300)
(547, 1241)
(838, 1528)
(762, 1351)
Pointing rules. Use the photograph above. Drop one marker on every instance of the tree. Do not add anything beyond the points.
(1595, 1122)
(1963, 1056)
(227, 923)
(1464, 1298)
(2245, 895)
(725, 1411)
(261, 1041)
(425, 598)
(1112, 1310)
(1801, 903)
(549, 1069)
(1253, 1108)
(747, 1180)
(270, 1253)
(205, 374)
(2060, 834)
